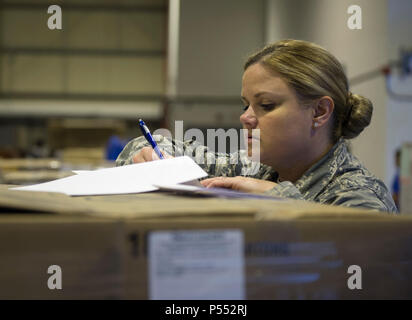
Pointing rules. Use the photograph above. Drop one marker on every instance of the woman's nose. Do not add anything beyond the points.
(248, 118)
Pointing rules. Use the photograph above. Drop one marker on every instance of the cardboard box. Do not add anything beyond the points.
(297, 259)
(117, 247)
(88, 251)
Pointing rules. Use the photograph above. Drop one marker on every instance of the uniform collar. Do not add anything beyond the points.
(317, 177)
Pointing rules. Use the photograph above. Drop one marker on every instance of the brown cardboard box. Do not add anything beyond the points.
(300, 258)
(289, 250)
(83, 235)
(88, 251)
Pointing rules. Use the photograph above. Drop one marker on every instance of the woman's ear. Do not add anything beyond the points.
(323, 110)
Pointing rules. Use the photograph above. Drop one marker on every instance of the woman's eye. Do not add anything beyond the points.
(268, 106)
(245, 108)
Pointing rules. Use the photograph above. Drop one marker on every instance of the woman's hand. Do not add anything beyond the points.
(148, 154)
(239, 183)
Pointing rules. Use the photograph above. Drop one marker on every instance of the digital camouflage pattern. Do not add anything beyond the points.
(337, 179)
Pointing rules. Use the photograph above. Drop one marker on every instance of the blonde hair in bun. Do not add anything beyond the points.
(359, 116)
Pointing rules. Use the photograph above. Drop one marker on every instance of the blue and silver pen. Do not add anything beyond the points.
(149, 138)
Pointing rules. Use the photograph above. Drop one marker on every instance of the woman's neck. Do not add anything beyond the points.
(296, 171)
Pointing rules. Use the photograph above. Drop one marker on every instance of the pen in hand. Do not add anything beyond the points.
(149, 138)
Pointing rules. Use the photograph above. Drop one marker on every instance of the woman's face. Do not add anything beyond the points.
(285, 125)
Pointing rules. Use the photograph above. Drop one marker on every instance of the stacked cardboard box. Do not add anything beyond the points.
(161, 246)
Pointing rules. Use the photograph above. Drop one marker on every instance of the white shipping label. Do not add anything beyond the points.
(196, 264)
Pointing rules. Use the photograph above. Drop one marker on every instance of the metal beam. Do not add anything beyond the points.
(23, 5)
(119, 97)
(30, 109)
(79, 96)
(82, 52)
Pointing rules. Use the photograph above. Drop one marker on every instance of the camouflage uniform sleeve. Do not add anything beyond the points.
(361, 194)
(364, 198)
(215, 164)
(285, 189)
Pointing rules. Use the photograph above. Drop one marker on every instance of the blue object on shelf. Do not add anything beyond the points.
(115, 145)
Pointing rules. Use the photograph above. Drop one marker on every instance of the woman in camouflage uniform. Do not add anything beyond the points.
(296, 93)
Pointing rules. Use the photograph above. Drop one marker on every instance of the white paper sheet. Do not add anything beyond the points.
(81, 171)
(132, 178)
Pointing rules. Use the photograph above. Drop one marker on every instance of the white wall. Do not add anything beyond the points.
(215, 38)
(399, 114)
(325, 23)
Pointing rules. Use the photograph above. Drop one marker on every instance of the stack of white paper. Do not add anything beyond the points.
(134, 178)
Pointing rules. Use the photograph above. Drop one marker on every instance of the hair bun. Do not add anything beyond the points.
(359, 115)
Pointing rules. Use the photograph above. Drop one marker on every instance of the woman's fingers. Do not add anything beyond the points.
(221, 184)
(207, 182)
(148, 154)
(144, 155)
(239, 183)
(218, 182)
